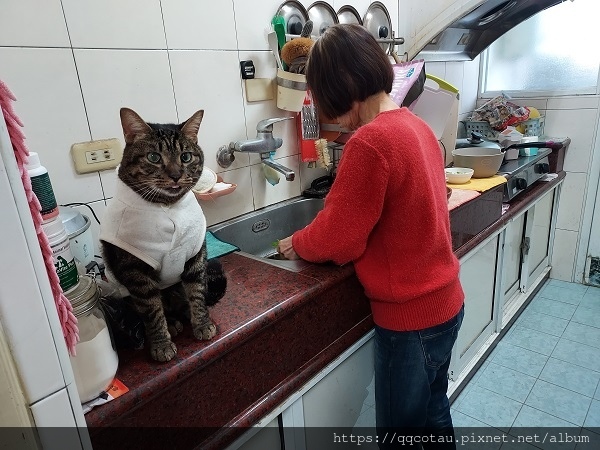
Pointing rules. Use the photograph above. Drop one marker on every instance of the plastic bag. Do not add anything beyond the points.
(409, 82)
(500, 113)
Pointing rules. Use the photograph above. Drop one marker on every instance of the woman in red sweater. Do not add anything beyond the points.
(387, 213)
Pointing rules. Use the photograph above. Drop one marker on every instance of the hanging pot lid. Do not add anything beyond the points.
(322, 16)
(349, 14)
(295, 16)
(377, 21)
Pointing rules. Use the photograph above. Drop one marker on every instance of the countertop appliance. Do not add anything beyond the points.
(522, 172)
(472, 33)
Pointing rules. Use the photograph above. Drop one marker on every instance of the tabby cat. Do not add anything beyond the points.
(153, 232)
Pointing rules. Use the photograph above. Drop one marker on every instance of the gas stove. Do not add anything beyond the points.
(522, 172)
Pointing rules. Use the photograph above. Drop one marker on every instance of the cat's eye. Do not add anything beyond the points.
(186, 157)
(153, 157)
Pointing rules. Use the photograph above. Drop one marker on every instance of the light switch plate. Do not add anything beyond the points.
(93, 156)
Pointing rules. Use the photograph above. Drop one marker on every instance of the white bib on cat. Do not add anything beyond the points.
(163, 236)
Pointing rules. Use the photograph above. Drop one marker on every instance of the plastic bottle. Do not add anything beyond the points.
(42, 187)
(64, 262)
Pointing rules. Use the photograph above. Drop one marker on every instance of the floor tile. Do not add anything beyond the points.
(460, 420)
(542, 322)
(587, 316)
(542, 430)
(575, 378)
(588, 440)
(563, 294)
(505, 381)
(533, 340)
(520, 359)
(553, 308)
(575, 287)
(593, 416)
(559, 402)
(597, 394)
(515, 445)
(490, 408)
(577, 353)
(591, 299)
(584, 334)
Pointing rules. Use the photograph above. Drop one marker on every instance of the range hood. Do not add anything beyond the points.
(471, 34)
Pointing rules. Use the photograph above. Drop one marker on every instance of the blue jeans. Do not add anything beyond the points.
(411, 380)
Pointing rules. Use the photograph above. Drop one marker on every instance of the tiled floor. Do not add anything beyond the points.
(545, 372)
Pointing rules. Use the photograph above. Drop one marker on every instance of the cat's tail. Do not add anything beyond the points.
(216, 282)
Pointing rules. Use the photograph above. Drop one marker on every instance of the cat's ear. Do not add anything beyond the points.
(133, 125)
(192, 125)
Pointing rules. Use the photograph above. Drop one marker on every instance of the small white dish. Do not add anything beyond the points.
(458, 175)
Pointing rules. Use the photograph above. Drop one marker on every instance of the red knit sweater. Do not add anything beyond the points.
(387, 213)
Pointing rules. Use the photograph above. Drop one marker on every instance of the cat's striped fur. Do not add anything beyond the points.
(162, 163)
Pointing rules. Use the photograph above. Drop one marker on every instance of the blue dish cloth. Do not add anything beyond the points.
(215, 247)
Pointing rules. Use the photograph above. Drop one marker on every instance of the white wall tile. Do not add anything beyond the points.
(580, 125)
(192, 24)
(570, 207)
(257, 111)
(563, 255)
(115, 24)
(210, 80)
(22, 28)
(253, 22)
(238, 202)
(470, 86)
(265, 194)
(50, 105)
(111, 79)
(137, 79)
(573, 102)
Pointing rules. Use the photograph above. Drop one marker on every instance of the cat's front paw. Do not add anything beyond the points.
(206, 332)
(163, 352)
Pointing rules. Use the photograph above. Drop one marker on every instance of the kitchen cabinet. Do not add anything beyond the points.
(333, 399)
(527, 249)
(266, 438)
(478, 279)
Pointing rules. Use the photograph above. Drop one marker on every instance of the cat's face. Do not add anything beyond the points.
(160, 162)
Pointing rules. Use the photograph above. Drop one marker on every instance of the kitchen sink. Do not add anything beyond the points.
(256, 233)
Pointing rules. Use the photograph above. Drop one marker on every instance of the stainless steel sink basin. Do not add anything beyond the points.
(256, 233)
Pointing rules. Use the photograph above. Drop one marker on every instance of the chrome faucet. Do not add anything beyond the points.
(264, 144)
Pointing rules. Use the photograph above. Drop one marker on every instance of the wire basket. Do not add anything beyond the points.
(531, 127)
(482, 127)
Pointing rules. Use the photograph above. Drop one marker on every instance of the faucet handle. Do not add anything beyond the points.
(266, 125)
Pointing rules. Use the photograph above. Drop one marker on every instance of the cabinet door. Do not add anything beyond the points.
(539, 237)
(477, 276)
(511, 268)
(336, 400)
(267, 438)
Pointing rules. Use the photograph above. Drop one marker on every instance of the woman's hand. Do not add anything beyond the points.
(286, 248)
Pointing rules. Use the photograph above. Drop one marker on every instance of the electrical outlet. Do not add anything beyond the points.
(93, 156)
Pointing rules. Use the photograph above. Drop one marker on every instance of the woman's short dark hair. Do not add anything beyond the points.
(346, 64)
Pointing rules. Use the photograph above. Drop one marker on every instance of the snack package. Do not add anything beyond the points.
(409, 82)
(500, 113)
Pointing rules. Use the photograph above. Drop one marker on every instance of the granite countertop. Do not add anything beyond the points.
(244, 369)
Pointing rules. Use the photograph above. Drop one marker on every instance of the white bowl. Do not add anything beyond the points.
(458, 175)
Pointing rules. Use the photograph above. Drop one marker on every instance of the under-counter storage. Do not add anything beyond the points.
(478, 279)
